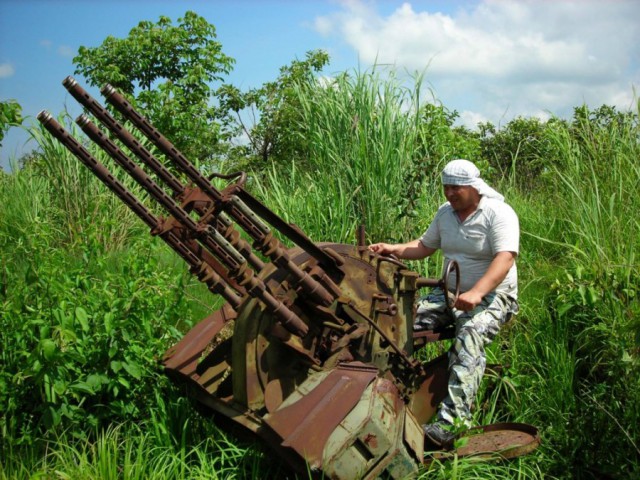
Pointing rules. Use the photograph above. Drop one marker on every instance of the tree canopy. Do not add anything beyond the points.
(274, 110)
(166, 70)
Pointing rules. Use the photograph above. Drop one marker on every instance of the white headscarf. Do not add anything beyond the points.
(463, 172)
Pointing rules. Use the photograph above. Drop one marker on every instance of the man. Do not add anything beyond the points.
(481, 232)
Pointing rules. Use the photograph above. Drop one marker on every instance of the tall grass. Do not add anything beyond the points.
(322, 209)
(25, 216)
(80, 205)
(461, 469)
(576, 342)
(598, 178)
(362, 130)
(131, 453)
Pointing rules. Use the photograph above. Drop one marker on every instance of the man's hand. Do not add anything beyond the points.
(413, 250)
(468, 300)
(381, 248)
(496, 272)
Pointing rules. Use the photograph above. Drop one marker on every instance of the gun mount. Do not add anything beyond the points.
(313, 350)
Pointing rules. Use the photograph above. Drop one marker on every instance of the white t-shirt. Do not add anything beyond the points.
(492, 228)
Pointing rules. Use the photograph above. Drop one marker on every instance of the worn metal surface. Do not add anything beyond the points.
(499, 441)
(313, 350)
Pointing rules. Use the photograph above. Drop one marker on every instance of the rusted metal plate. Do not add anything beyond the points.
(413, 434)
(183, 357)
(424, 403)
(306, 424)
(371, 440)
(493, 442)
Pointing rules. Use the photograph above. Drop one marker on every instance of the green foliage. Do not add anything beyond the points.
(295, 196)
(457, 468)
(591, 302)
(597, 175)
(10, 116)
(373, 154)
(82, 321)
(520, 151)
(135, 453)
(166, 70)
(274, 110)
(360, 133)
(81, 342)
(68, 200)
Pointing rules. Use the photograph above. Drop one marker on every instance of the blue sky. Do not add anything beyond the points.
(490, 59)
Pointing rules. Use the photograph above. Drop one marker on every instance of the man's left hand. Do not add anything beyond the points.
(467, 301)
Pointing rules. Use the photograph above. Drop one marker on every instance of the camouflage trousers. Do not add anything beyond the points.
(467, 360)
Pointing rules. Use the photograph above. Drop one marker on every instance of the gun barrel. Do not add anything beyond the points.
(84, 98)
(139, 175)
(209, 236)
(207, 275)
(160, 141)
(245, 217)
(223, 250)
(117, 129)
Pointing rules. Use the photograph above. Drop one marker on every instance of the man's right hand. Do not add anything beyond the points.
(413, 250)
(381, 248)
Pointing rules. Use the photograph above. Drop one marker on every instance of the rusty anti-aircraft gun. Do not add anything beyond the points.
(313, 349)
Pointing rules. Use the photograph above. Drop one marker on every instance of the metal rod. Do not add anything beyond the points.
(117, 129)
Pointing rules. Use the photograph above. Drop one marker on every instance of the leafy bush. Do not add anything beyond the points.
(166, 70)
(81, 341)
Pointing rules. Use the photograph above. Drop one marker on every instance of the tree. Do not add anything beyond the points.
(166, 72)
(437, 142)
(274, 110)
(521, 150)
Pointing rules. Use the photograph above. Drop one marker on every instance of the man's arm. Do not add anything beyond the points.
(496, 273)
(414, 250)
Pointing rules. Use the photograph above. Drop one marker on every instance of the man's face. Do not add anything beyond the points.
(462, 197)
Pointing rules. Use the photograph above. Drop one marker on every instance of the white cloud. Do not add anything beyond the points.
(6, 70)
(502, 58)
(62, 50)
(471, 119)
(65, 51)
(323, 25)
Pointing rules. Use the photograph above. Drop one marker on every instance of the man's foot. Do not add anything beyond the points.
(439, 436)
